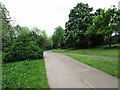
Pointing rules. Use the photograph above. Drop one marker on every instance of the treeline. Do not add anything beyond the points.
(87, 28)
(21, 43)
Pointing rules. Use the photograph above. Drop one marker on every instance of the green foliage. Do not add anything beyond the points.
(24, 74)
(7, 31)
(79, 19)
(104, 23)
(24, 48)
(41, 38)
(57, 37)
(47, 42)
(93, 38)
(85, 28)
(28, 44)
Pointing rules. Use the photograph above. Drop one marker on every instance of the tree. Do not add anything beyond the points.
(93, 38)
(6, 27)
(47, 43)
(41, 38)
(57, 37)
(104, 24)
(79, 19)
(18, 31)
(23, 48)
(117, 27)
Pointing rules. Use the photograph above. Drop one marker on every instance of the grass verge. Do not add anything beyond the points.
(108, 66)
(24, 74)
(92, 51)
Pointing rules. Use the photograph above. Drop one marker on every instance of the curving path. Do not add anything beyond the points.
(93, 56)
(65, 72)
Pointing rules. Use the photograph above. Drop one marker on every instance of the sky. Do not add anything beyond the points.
(48, 14)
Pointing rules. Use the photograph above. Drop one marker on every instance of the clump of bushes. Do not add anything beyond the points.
(24, 48)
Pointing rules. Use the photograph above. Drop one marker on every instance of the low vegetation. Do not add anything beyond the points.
(108, 66)
(24, 48)
(24, 74)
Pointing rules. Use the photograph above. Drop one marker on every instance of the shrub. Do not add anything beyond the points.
(24, 48)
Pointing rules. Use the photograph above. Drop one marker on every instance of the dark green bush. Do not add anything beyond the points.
(24, 48)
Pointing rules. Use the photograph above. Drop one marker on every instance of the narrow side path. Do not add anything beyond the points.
(93, 56)
(65, 72)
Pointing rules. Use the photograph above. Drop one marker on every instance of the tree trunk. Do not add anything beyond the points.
(110, 41)
(110, 44)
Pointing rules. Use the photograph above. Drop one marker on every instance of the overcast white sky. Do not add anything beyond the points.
(48, 14)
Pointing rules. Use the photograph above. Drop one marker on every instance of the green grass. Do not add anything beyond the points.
(0, 56)
(0, 70)
(91, 51)
(108, 66)
(24, 74)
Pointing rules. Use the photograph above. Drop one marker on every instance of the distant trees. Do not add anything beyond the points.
(47, 42)
(57, 37)
(41, 38)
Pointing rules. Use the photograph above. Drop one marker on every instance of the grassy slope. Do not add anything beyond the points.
(108, 66)
(25, 74)
(0, 70)
(93, 51)
(0, 56)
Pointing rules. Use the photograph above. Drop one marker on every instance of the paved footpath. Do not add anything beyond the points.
(65, 72)
(93, 56)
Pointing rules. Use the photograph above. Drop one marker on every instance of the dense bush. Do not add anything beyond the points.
(24, 48)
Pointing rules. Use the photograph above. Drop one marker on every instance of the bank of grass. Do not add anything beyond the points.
(24, 74)
(0, 70)
(99, 51)
(108, 66)
(0, 55)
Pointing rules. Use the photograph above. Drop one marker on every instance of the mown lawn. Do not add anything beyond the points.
(1, 56)
(24, 74)
(108, 66)
(0, 70)
(91, 51)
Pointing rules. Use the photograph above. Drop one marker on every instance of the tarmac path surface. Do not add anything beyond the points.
(93, 56)
(65, 72)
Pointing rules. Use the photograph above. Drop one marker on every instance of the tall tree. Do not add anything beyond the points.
(104, 24)
(41, 38)
(47, 44)
(117, 28)
(6, 27)
(93, 38)
(80, 18)
(57, 37)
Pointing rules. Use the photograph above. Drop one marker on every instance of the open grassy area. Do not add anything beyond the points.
(91, 51)
(108, 66)
(25, 74)
(0, 56)
(0, 70)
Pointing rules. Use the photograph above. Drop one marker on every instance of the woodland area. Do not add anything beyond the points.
(84, 29)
